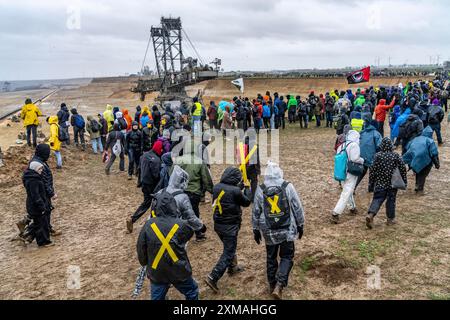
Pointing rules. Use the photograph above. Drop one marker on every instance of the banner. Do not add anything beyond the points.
(239, 83)
(359, 76)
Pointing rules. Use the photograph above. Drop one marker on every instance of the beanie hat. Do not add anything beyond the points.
(158, 147)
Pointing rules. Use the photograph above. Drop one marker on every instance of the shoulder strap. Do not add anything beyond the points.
(176, 193)
(285, 184)
(263, 188)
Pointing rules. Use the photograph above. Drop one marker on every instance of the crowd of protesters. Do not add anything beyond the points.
(175, 183)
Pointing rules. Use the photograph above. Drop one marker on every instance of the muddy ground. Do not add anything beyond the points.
(331, 262)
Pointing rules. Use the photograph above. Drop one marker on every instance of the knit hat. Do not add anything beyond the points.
(36, 166)
(158, 147)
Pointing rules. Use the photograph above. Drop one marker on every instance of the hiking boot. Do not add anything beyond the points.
(272, 287)
(334, 218)
(235, 268)
(200, 238)
(391, 222)
(130, 177)
(369, 221)
(354, 212)
(129, 225)
(21, 225)
(55, 233)
(107, 172)
(212, 284)
(50, 244)
(277, 293)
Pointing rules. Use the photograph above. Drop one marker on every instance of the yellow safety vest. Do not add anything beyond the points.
(357, 124)
(198, 110)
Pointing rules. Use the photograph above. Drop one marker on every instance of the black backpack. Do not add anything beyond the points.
(276, 207)
(95, 126)
(123, 124)
(62, 134)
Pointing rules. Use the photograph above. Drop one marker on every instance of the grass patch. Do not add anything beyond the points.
(438, 296)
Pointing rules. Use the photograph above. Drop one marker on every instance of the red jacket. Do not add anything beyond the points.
(382, 109)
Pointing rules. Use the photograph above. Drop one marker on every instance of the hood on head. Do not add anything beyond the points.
(179, 179)
(166, 205)
(436, 102)
(167, 159)
(386, 145)
(358, 109)
(382, 102)
(90, 118)
(231, 176)
(347, 129)
(64, 107)
(74, 111)
(43, 151)
(273, 172)
(125, 111)
(353, 136)
(109, 107)
(367, 117)
(428, 132)
(134, 123)
(36, 166)
(158, 147)
(53, 120)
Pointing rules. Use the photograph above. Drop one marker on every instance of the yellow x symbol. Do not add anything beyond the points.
(245, 160)
(217, 204)
(274, 205)
(164, 244)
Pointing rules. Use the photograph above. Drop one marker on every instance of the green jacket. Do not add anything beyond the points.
(360, 101)
(93, 135)
(292, 103)
(200, 179)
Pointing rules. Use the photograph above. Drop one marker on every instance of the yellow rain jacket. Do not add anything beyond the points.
(109, 117)
(30, 113)
(53, 141)
(198, 110)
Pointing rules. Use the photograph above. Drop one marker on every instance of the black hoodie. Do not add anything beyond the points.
(41, 155)
(37, 201)
(232, 200)
(63, 116)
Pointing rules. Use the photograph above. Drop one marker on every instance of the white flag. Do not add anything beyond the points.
(239, 83)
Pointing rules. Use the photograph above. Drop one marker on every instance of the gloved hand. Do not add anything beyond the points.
(300, 232)
(257, 236)
(203, 229)
(247, 192)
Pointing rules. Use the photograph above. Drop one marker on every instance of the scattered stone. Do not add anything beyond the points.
(22, 136)
(8, 125)
(41, 134)
(19, 141)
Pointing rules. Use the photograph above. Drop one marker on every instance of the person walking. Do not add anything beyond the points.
(380, 176)
(78, 124)
(279, 215)
(380, 114)
(54, 140)
(134, 141)
(63, 121)
(94, 128)
(435, 117)
(212, 115)
(115, 143)
(29, 114)
(351, 147)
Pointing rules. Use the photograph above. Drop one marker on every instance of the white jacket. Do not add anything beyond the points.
(353, 150)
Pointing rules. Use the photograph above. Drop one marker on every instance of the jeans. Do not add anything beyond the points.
(79, 134)
(58, 158)
(329, 116)
(272, 122)
(390, 196)
(437, 128)
(257, 122)
(134, 156)
(188, 288)
(113, 158)
(103, 139)
(279, 273)
(318, 123)
(421, 177)
(229, 240)
(196, 120)
(266, 123)
(32, 130)
(213, 124)
(97, 144)
(346, 195)
(303, 121)
(147, 190)
(291, 116)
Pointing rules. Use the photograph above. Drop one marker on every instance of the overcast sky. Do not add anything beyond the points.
(62, 39)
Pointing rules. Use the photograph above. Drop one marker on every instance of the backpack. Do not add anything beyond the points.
(340, 165)
(79, 121)
(95, 126)
(117, 148)
(62, 134)
(434, 115)
(276, 207)
(161, 197)
(122, 123)
(444, 94)
(338, 122)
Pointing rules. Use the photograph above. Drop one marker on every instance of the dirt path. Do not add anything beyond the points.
(330, 261)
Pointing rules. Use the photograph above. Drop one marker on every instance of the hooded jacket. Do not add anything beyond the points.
(150, 165)
(200, 179)
(92, 134)
(53, 140)
(232, 198)
(177, 185)
(164, 176)
(41, 155)
(422, 151)
(369, 142)
(75, 114)
(63, 116)
(109, 117)
(274, 177)
(411, 128)
(127, 118)
(352, 147)
(381, 110)
(400, 120)
(385, 162)
(37, 200)
(134, 139)
(29, 114)
(113, 136)
(435, 114)
(171, 268)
